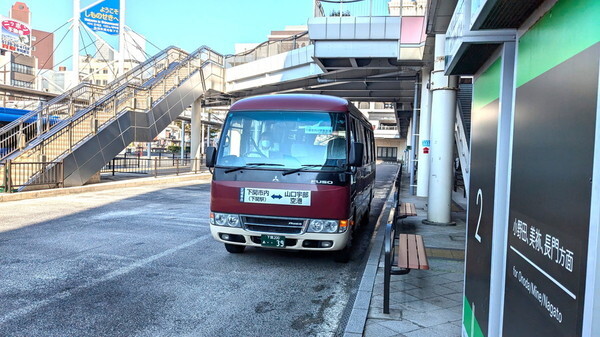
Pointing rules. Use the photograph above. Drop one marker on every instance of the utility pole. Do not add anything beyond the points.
(121, 69)
(75, 30)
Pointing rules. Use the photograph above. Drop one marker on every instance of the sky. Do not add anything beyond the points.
(187, 24)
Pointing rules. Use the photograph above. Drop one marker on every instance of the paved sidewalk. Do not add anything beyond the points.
(423, 302)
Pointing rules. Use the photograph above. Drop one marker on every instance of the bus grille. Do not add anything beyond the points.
(273, 225)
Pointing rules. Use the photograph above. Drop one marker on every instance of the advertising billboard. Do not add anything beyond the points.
(16, 36)
(103, 16)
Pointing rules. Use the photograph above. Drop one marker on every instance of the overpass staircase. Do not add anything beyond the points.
(462, 134)
(98, 123)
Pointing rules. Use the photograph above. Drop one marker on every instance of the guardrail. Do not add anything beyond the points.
(153, 166)
(16, 175)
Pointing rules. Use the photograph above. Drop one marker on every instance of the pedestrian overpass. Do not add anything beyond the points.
(359, 58)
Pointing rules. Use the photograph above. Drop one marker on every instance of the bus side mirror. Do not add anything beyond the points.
(211, 156)
(356, 154)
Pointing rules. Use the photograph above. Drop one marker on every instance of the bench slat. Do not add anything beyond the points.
(402, 253)
(411, 252)
(423, 263)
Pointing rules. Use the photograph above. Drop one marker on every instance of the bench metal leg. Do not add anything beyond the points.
(390, 237)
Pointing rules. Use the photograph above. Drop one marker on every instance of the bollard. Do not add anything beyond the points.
(155, 167)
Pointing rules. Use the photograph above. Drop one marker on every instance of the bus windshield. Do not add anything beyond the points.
(284, 140)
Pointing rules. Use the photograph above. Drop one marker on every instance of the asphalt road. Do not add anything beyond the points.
(140, 261)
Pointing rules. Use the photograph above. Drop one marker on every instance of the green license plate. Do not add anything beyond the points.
(272, 241)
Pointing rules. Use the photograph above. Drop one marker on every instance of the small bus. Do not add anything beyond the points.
(292, 171)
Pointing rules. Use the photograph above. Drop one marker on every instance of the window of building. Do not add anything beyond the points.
(105, 71)
(22, 84)
(387, 153)
(21, 68)
(363, 105)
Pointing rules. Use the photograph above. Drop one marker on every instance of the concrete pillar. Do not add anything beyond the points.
(203, 140)
(196, 132)
(409, 143)
(414, 138)
(424, 158)
(443, 110)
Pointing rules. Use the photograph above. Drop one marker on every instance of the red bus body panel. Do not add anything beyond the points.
(327, 202)
(296, 102)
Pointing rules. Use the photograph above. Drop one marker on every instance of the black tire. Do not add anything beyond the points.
(364, 221)
(344, 255)
(234, 249)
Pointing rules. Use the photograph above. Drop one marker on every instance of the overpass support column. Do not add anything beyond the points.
(182, 142)
(424, 145)
(443, 109)
(196, 132)
(414, 136)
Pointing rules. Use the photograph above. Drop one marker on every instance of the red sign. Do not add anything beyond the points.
(16, 27)
(425, 150)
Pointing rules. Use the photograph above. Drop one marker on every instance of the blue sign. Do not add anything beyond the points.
(104, 16)
(426, 142)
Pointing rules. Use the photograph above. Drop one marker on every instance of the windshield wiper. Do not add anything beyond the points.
(251, 165)
(304, 167)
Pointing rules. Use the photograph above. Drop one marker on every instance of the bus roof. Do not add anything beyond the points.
(292, 102)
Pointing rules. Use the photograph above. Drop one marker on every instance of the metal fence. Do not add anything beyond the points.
(268, 48)
(15, 176)
(153, 166)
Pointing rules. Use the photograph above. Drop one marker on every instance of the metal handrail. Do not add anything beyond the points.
(262, 47)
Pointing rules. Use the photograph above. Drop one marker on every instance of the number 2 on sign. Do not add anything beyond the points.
(479, 201)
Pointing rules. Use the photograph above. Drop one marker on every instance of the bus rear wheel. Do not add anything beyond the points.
(234, 249)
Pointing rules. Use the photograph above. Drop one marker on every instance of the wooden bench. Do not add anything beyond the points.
(406, 209)
(403, 253)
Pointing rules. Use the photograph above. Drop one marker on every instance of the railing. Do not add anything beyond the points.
(14, 176)
(153, 166)
(17, 134)
(352, 7)
(386, 127)
(268, 48)
(177, 67)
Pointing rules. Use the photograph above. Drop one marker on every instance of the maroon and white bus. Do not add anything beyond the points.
(292, 172)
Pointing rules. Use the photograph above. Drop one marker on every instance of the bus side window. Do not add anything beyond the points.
(367, 145)
(362, 140)
(370, 146)
(353, 137)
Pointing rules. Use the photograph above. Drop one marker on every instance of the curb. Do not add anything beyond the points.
(201, 177)
(360, 309)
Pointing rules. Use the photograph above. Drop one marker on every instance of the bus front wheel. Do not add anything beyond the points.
(234, 249)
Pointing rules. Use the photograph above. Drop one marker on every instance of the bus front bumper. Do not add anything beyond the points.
(305, 241)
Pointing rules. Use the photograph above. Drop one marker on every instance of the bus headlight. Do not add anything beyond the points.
(322, 226)
(226, 220)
